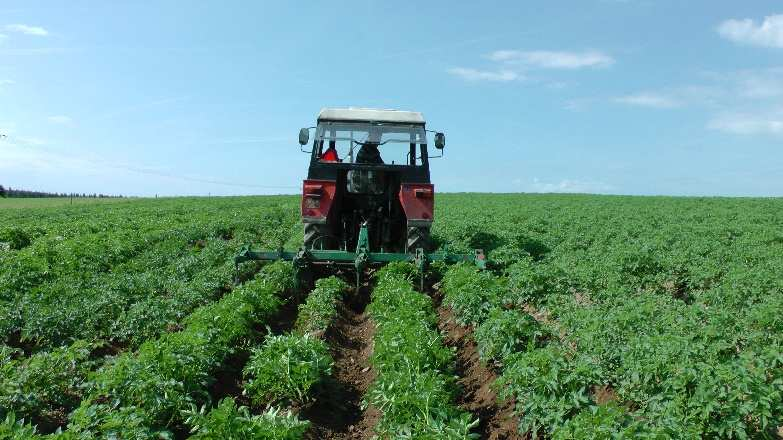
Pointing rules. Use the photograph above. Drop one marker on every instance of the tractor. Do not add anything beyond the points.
(368, 199)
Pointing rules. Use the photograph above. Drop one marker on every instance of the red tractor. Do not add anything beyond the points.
(367, 199)
(371, 168)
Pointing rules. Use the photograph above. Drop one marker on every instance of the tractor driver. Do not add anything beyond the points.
(369, 154)
(330, 155)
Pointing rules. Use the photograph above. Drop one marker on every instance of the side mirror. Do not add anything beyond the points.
(304, 136)
(440, 141)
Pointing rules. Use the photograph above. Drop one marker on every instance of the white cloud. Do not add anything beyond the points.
(18, 156)
(768, 33)
(649, 99)
(60, 119)
(485, 75)
(761, 83)
(553, 59)
(578, 104)
(30, 141)
(749, 123)
(563, 186)
(27, 30)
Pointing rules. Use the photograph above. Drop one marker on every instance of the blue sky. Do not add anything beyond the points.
(601, 96)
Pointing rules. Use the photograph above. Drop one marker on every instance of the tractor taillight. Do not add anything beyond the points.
(317, 196)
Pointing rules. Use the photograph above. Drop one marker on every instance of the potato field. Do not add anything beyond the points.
(598, 317)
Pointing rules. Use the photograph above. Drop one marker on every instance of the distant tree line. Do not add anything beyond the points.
(19, 193)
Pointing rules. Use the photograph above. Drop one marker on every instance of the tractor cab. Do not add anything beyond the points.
(368, 167)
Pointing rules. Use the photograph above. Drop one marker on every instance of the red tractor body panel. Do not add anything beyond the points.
(317, 199)
(418, 202)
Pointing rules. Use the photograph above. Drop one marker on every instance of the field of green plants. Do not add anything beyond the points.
(600, 317)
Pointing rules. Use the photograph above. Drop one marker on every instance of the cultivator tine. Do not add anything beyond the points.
(421, 263)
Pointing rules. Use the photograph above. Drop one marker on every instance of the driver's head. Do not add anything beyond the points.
(374, 137)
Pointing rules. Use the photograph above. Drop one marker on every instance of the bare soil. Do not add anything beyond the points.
(336, 412)
(496, 419)
(603, 394)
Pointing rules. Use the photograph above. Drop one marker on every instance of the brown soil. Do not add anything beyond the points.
(336, 412)
(228, 380)
(14, 340)
(604, 394)
(496, 419)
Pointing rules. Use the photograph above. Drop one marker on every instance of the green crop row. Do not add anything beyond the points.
(633, 367)
(284, 369)
(227, 421)
(44, 385)
(40, 387)
(137, 300)
(147, 393)
(319, 311)
(126, 305)
(90, 304)
(415, 385)
(143, 394)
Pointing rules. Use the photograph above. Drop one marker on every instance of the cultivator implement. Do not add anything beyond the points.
(307, 260)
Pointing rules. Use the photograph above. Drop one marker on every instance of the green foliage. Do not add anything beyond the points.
(169, 374)
(506, 332)
(46, 382)
(471, 294)
(16, 429)
(530, 282)
(320, 309)
(606, 422)
(674, 302)
(414, 388)
(18, 238)
(398, 269)
(227, 421)
(123, 422)
(550, 386)
(286, 367)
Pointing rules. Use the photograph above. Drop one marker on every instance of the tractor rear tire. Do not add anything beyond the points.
(418, 237)
(315, 235)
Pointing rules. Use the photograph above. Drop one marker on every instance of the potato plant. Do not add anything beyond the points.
(227, 421)
(319, 311)
(286, 367)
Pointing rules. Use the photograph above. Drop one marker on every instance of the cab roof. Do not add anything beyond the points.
(353, 114)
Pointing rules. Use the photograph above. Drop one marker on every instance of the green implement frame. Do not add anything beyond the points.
(304, 259)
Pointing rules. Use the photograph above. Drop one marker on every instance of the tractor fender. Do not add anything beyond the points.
(317, 199)
(418, 203)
